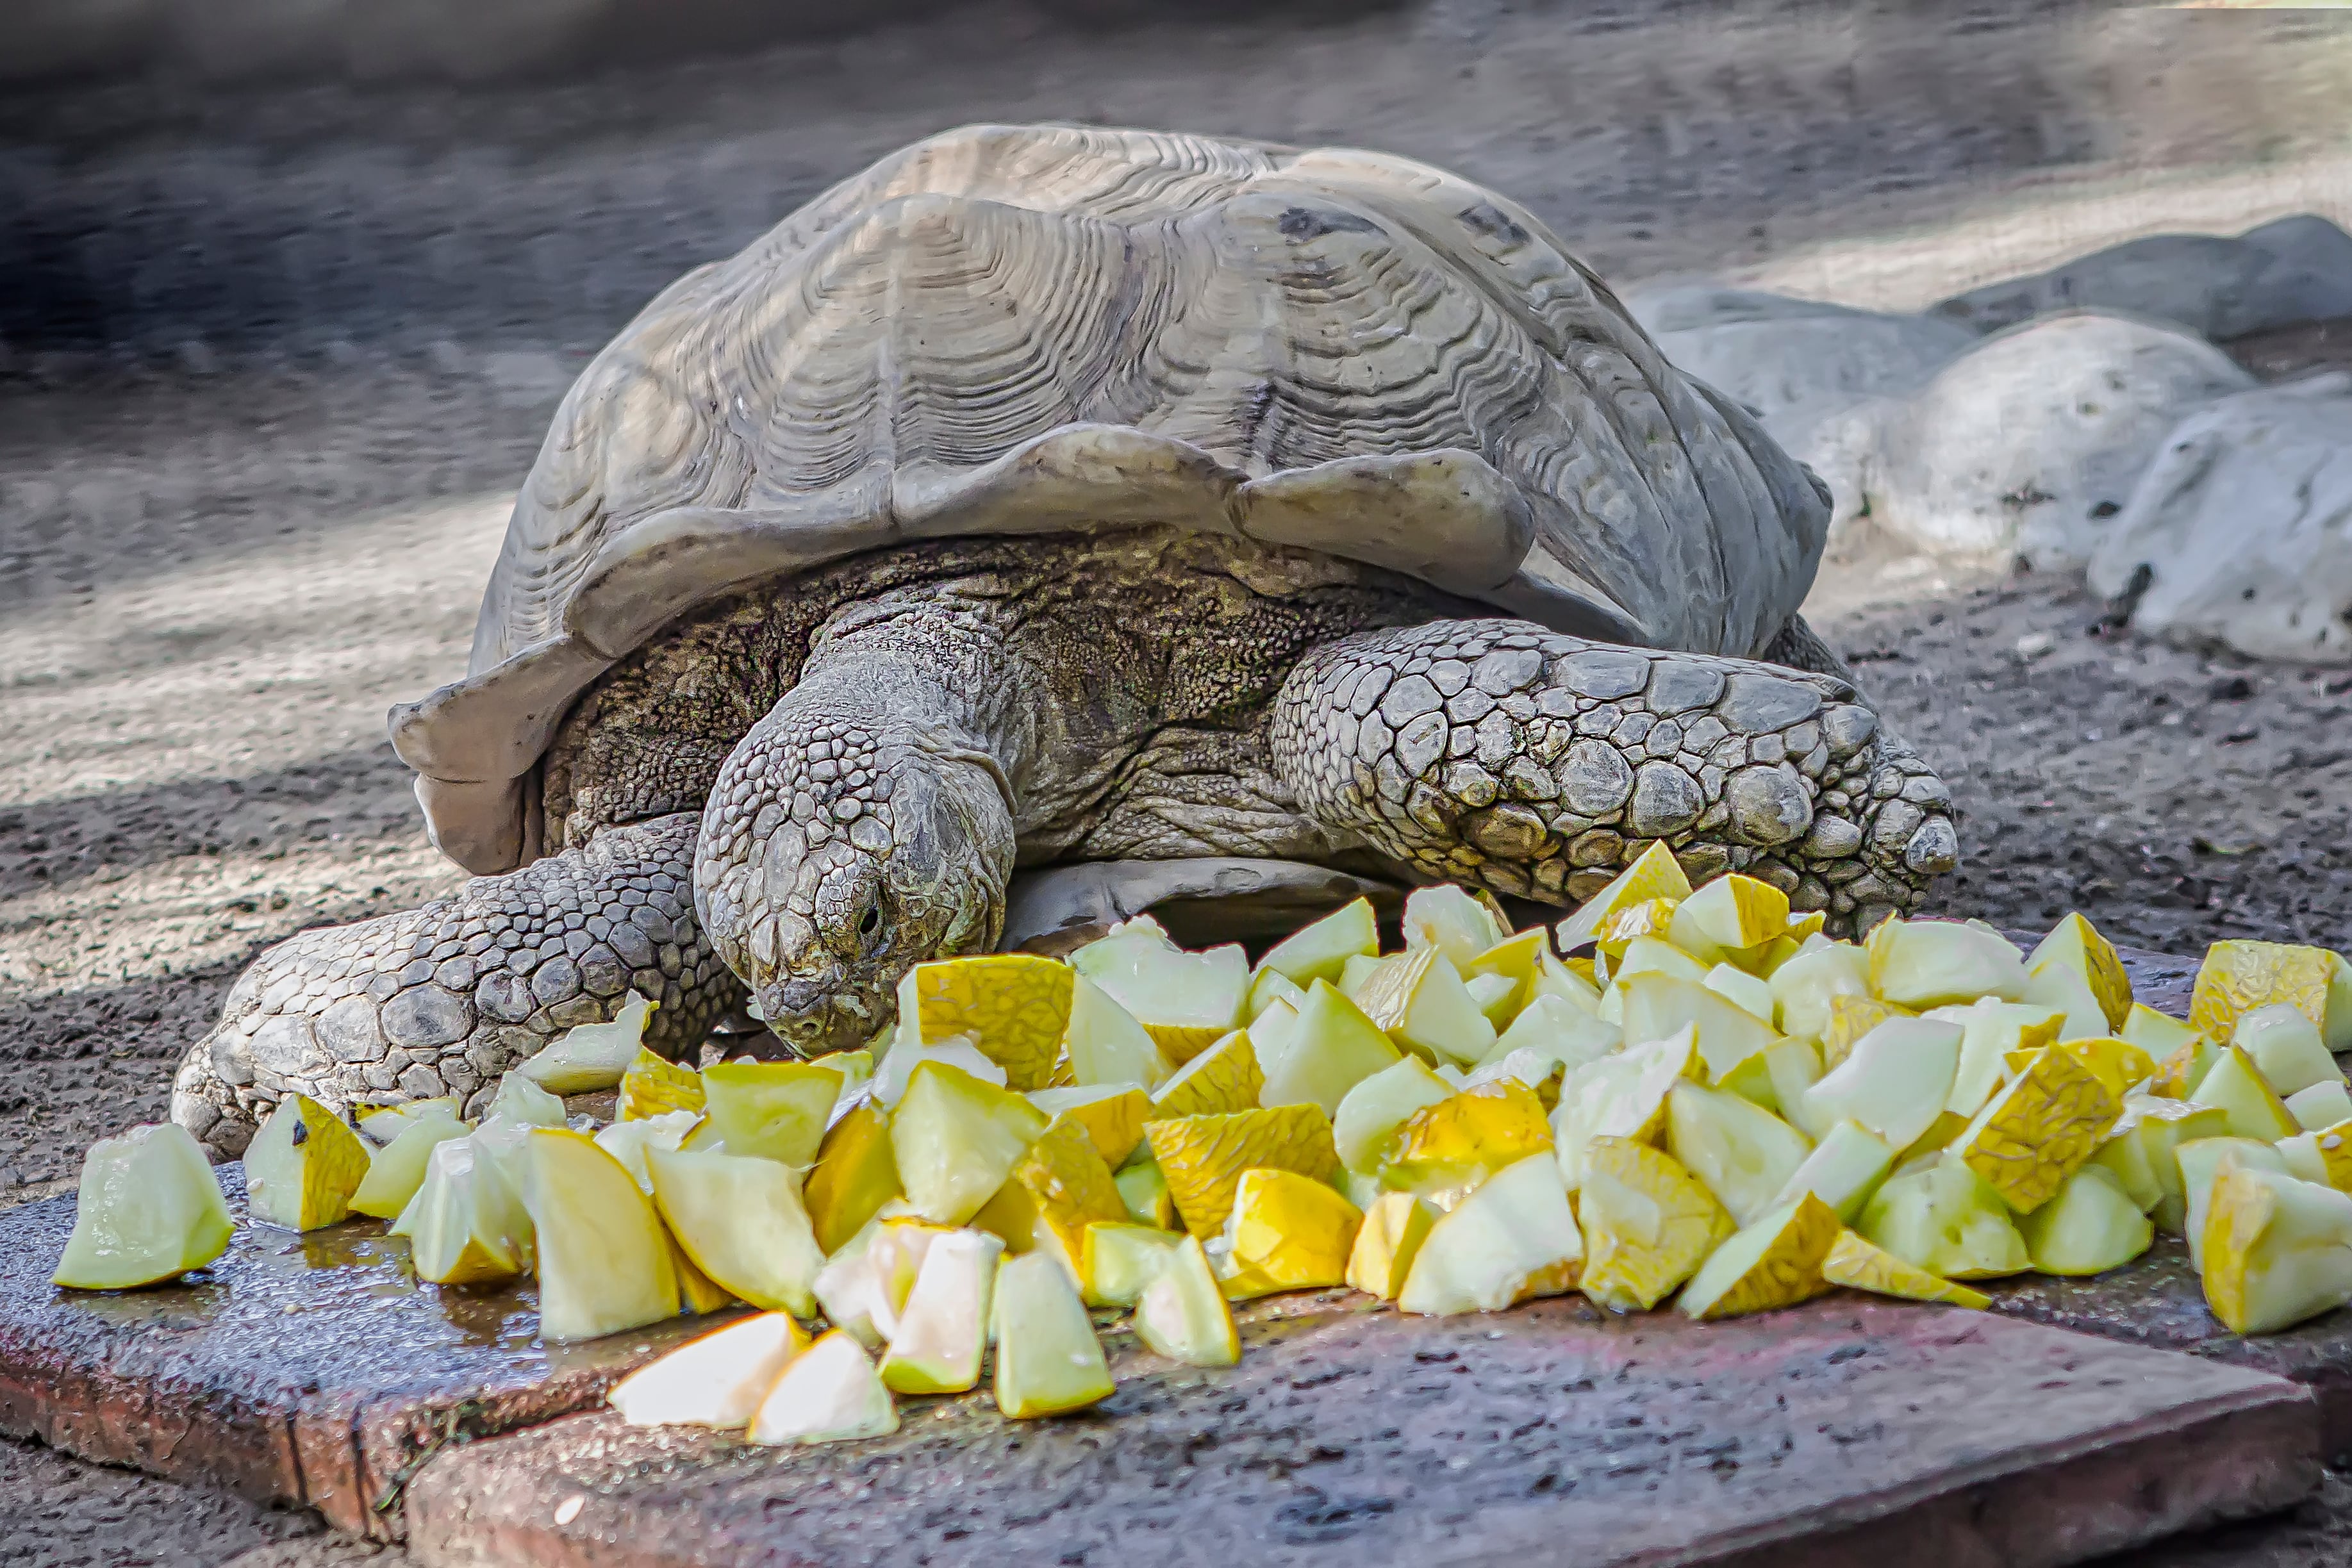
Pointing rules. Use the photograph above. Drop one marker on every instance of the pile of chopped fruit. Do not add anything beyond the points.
(1719, 1105)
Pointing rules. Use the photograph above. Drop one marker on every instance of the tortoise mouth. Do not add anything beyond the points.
(816, 1017)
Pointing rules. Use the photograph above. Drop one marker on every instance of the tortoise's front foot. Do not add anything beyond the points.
(444, 999)
(1539, 765)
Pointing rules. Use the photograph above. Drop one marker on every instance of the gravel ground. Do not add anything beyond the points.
(275, 366)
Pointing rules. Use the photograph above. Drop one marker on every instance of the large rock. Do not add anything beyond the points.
(2295, 269)
(2030, 442)
(1801, 372)
(2241, 532)
(1662, 308)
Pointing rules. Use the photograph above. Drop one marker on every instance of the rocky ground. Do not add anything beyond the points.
(226, 547)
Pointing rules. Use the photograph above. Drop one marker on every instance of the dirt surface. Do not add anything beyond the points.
(269, 370)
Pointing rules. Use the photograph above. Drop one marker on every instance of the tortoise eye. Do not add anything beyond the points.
(869, 926)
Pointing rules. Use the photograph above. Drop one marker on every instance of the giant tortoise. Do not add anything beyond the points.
(1050, 496)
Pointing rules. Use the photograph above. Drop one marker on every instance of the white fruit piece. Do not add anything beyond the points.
(1803, 987)
(1456, 922)
(1269, 986)
(1226, 1078)
(1553, 978)
(1792, 1066)
(630, 1142)
(1422, 1003)
(741, 1222)
(896, 1070)
(1947, 1220)
(2237, 1086)
(498, 1208)
(716, 1380)
(943, 1328)
(1182, 1314)
(2320, 1106)
(2076, 944)
(2202, 1161)
(775, 1110)
(380, 1125)
(1319, 952)
(2286, 1048)
(397, 1169)
(1117, 1261)
(1513, 1238)
(1518, 959)
(1047, 1358)
(829, 1393)
(1773, 1263)
(850, 1289)
(604, 1263)
(590, 1056)
(455, 1236)
(1497, 997)
(1938, 963)
(1185, 1001)
(2155, 1033)
(1842, 1170)
(1106, 1045)
(2140, 1151)
(1358, 972)
(1991, 1031)
(1751, 994)
(1558, 1030)
(1894, 1082)
(956, 1139)
(1368, 1118)
(2238, 977)
(520, 1103)
(303, 1167)
(1647, 1223)
(2276, 1250)
(1857, 1265)
(1621, 1096)
(1744, 1156)
(149, 1208)
(1656, 1006)
(1333, 1048)
(2066, 993)
(1655, 956)
(2091, 1226)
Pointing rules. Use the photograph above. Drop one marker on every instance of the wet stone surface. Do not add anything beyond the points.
(297, 1369)
(1841, 1432)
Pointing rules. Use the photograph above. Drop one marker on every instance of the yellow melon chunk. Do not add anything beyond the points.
(1946, 1220)
(1741, 1153)
(1805, 985)
(716, 1380)
(1185, 1001)
(1057, 1188)
(1144, 1189)
(1014, 1007)
(456, 1224)
(1221, 1080)
(1932, 963)
(1105, 1045)
(1454, 920)
(1655, 873)
(1319, 951)
(590, 1056)
(655, 1086)
(397, 1169)
(1649, 920)
(302, 1167)
(2039, 1129)
(149, 1208)
(1857, 1265)
(775, 1110)
(1202, 1158)
(1421, 1004)
(1386, 1244)
(956, 1139)
(2236, 1085)
(1847, 1020)
(2178, 1075)
(2238, 977)
(854, 1174)
(1656, 1005)
(1117, 1261)
(740, 1222)
(1445, 1150)
(1113, 1115)
(2140, 1149)
(2277, 1251)
(1727, 915)
(1621, 1096)
(1648, 1225)
(1288, 1233)
(1772, 1263)
(1047, 1358)
(830, 1393)
(2090, 1226)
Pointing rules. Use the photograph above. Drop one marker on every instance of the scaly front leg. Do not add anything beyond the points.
(1538, 764)
(445, 998)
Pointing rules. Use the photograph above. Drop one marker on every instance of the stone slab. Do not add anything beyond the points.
(2157, 1300)
(2162, 980)
(1844, 1432)
(301, 1370)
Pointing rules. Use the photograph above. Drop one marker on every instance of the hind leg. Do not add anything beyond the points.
(1539, 764)
(442, 1000)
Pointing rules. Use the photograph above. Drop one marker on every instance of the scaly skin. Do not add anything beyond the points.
(1538, 764)
(444, 998)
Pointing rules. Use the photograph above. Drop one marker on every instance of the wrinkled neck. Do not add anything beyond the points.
(923, 682)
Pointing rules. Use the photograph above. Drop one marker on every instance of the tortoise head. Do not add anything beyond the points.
(836, 855)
